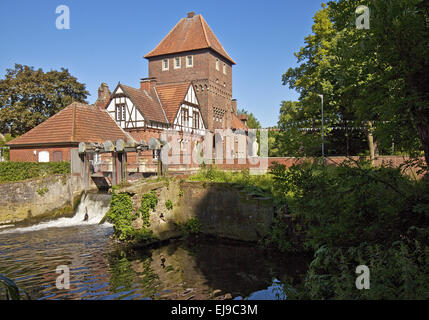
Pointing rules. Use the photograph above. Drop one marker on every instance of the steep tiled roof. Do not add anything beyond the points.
(238, 124)
(242, 116)
(172, 96)
(146, 102)
(76, 123)
(189, 34)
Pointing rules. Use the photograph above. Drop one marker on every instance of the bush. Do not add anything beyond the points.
(192, 227)
(169, 205)
(17, 171)
(121, 214)
(351, 215)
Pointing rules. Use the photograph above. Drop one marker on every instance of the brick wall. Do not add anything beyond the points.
(31, 154)
(213, 87)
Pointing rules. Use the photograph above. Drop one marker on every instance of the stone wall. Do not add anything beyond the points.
(222, 209)
(33, 200)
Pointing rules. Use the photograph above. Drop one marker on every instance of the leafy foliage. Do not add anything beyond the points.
(17, 171)
(149, 202)
(3, 140)
(29, 96)
(169, 204)
(365, 76)
(121, 214)
(350, 215)
(192, 227)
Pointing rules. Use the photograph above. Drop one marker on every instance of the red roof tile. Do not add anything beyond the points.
(172, 96)
(189, 34)
(76, 123)
(147, 103)
(238, 124)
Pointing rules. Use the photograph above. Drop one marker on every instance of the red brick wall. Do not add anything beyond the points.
(213, 87)
(26, 154)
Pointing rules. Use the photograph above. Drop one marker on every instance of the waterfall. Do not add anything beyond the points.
(91, 210)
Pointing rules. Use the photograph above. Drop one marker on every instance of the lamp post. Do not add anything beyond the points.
(323, 132)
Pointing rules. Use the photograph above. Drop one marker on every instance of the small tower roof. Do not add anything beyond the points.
(190, 33)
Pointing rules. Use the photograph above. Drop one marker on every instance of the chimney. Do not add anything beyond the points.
(147, 84)
(191, 14)
(234, 106)
(103, 95)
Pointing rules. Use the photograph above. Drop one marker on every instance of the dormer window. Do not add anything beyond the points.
(224, 68)
(177, 64)
(189, 61)
(217, 64)
(165, 65)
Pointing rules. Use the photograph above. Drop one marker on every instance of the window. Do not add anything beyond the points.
(177, 63)
(224, 68)
(120, 112)
(44, 156)
(196, 120)
(165, 65)
(217, 64)
(58, 156)
(185, 118)
(189, 61)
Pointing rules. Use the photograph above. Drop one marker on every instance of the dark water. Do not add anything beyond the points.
(99, 269)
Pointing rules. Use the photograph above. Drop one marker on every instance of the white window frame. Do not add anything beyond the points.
(163, 65)
(187, 61)
(217, 64)
(224, 68)
(180, 63)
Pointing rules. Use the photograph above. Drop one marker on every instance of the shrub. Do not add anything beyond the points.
(169, 205)
(192, 227)
(149, 201)
(121, 214)
(351, 215)
(17, 171)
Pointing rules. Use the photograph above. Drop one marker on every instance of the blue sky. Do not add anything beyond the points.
(107, 40)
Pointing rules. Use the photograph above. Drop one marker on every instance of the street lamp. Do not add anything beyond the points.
(323, 132)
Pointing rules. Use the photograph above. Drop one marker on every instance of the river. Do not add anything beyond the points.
(99, 269)
(201, 268)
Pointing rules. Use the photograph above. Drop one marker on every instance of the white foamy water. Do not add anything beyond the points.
(93, 206)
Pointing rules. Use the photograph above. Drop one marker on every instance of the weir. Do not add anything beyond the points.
(91, 210)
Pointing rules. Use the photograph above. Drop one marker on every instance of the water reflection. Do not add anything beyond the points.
(99, 269)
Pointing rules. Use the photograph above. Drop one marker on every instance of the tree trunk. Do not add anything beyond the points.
(372, 144)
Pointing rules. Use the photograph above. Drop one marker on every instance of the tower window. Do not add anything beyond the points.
(217, 64)
(177, 63)
(165, 65)
(189, 61)
(224, 68)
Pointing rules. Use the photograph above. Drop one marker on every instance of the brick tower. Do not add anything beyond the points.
(191, 52)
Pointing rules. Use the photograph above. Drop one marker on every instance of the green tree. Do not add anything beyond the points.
(29, 96)
(393, 61)
(4, 152)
